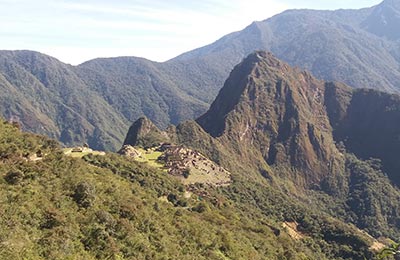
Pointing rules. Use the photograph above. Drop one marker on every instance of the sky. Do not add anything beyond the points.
(75, 31)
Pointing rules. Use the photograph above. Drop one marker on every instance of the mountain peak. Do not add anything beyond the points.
(384, 20)
(392, 4)
(268, 106)
(144, 133)
(258, 66)
(265, 58)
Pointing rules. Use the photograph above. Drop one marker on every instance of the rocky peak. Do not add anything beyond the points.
(266, 105)
(144, 133)
(237, 86)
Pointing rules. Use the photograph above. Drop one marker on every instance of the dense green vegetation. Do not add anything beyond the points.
(47, 97)
(93, 102)
(111, 207)
(372, 199)
(313, 175)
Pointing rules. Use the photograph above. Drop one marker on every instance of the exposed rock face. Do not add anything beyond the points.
(129, 151)
(144, 133)
(293, 119)
(280, 111)
(370, 128)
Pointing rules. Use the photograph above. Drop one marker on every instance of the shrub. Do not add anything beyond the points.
(200, 208)
(186, 173)
(14, 177)
(52, 218)
(85, 194)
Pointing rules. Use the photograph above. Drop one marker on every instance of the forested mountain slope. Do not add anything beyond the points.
(321, 143)
(96, 101)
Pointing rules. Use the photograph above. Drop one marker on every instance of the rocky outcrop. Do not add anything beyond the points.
(144, 133)
(129, 151)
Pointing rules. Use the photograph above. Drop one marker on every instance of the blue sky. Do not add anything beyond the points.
(78, 30)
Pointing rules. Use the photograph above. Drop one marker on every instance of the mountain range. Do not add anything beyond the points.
(96, 101)
(298, 180)
(279, 141)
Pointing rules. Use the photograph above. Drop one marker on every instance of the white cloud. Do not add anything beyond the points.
(76, 31)
(78, 55)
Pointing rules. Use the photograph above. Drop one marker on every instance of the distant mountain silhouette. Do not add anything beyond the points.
(358, 47)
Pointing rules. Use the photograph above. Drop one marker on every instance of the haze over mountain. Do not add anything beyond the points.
(96, 101)
(358, 47)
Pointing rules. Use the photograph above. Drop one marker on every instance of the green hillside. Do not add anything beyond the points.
(333, 142)
(294, 142)
(110, 207)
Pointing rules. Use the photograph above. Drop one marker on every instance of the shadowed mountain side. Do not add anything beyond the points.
(370, 127)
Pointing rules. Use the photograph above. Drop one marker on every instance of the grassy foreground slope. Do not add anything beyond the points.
(109, 207)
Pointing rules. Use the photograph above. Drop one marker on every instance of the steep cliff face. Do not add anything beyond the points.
(279, 111)
(370, 128)
(366, 122)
